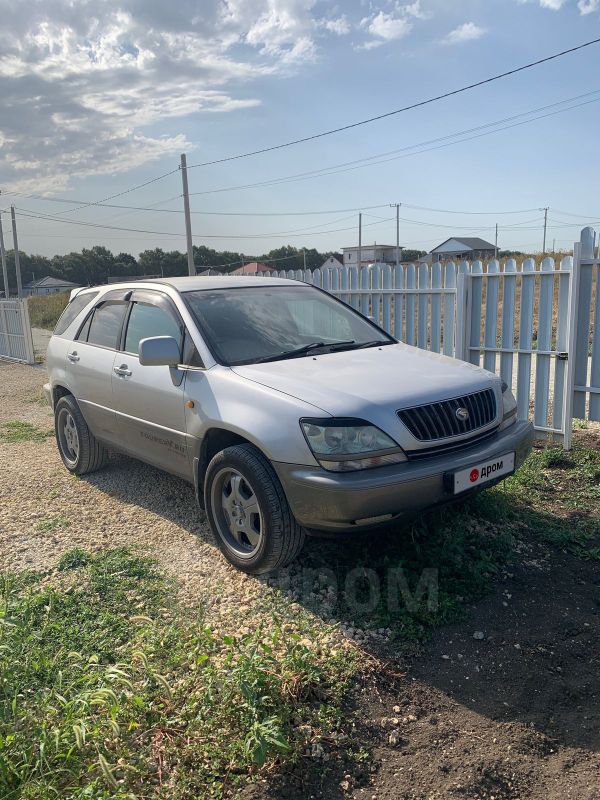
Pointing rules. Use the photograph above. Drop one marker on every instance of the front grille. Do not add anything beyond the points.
(451, 447)
(434, 421)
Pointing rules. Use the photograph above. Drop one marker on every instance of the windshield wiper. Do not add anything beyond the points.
(300, 351)
(374, 343)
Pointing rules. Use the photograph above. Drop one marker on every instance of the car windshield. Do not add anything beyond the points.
(247, 325)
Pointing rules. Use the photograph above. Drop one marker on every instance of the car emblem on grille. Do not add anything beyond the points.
(462, 414)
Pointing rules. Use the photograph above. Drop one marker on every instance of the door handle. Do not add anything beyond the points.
(123, 371)
(73, 356)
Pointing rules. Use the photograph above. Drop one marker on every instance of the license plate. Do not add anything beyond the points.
(482, 473)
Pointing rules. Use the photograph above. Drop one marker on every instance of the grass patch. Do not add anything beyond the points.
(19, 431)
(557, 496)
(413, 577)
(44, 310)
(51, 523)
(111, 690)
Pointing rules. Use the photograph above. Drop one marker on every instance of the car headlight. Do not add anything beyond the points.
(509, 407)
(345, 445)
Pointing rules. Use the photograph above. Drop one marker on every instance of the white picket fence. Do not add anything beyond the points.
(16, 341)
(536, 324)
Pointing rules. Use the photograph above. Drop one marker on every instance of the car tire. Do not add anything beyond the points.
(79, 449)
(248, 511)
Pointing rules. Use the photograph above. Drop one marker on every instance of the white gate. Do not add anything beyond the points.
(537, 325)
(16, 341)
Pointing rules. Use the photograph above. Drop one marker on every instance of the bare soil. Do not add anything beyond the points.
(514, 715)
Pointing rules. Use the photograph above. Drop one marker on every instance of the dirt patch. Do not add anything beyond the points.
(512, 715)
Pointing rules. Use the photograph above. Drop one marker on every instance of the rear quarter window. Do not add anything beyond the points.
(77, 304)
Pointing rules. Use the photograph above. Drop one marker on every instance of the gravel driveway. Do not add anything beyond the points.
(45, 511)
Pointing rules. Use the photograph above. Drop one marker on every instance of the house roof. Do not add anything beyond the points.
(338, 259)
(470, 242)
(250, 269)
(48, 281)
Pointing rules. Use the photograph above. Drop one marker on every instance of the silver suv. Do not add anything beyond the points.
(287, 410)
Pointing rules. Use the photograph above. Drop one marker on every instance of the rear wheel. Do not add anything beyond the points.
(248, 511)
(79, 449)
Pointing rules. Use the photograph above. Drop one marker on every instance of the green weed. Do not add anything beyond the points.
(19, 431)
(51, 523)
(111, 690)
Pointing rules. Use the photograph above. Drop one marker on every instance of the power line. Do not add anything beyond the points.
(304, 213)
(333, 169)
(350, 166)
(120, 194)
(419, 104)
(300, 232)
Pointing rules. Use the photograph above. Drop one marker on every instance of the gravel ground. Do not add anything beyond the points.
(127, 503)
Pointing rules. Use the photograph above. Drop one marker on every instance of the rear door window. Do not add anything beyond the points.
(77, 304)
(105, 325)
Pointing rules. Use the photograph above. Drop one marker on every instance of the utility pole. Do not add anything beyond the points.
(545, 210)
(397, 206)
(496, 245)
(3, 258)
(359, 240)
(16, 249)
(553, 246)
(304, 255)
(188, 221)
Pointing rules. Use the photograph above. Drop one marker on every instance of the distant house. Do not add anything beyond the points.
(49, 285)
(465, 247)
(333, 261)
(253, 268)
(370, 254)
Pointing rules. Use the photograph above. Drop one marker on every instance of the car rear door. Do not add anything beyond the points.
(148, 400)
(89, 365)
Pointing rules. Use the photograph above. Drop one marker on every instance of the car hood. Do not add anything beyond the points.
(359, 383)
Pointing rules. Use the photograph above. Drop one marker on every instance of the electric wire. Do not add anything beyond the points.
(410, 107)
(343, 168)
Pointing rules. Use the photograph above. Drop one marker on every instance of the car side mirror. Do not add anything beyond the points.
(159, 351)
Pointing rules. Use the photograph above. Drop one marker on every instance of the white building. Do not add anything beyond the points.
(332, 262)
(371, 253)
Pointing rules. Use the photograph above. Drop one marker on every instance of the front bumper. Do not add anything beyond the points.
(354, 500)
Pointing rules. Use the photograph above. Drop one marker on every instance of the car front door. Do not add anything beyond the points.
(90, 360)
(148, 400)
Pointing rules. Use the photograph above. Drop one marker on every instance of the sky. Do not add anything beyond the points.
(100, 97)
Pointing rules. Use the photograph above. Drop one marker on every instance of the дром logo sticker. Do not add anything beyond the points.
(474, 475)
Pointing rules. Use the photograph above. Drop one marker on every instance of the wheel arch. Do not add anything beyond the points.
(214, 440)
(59, 391)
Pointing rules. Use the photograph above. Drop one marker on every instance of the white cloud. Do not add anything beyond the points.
(466, 32)
(588, 6)
(415, 10)
(80, 83)
(388, 26)
(553, 5)
(340, 25)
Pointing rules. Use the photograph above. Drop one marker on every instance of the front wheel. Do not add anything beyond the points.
(248, 511)
(80, 451)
